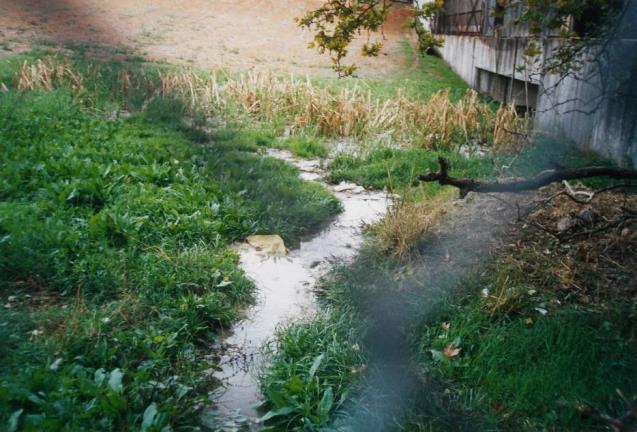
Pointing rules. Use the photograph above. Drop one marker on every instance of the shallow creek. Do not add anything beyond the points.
(285, 284)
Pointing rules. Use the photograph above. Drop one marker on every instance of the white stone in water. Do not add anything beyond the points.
(269, 244)
(348, 187)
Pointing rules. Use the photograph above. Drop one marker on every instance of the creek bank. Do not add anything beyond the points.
(285, 283)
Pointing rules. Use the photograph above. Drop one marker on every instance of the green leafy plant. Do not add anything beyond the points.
(315, 365)
(114, 248)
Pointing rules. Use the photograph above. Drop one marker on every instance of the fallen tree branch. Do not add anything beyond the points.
(544, 178)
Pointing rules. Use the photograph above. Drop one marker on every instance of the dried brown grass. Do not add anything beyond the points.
(510, 131)
(299, 104)
(47, 74)
(408, 221)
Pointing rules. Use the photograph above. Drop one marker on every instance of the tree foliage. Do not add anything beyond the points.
(338, 22)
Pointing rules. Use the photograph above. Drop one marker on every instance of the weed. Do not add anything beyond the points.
(126, 223)
(409, 220)
(305, 147)
(313, 369)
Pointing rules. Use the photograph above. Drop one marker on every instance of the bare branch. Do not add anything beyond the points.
(544, 178)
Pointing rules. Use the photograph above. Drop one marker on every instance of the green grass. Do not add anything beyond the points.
(532, 376)
(398, 168)
(114, 257)
(315, 366)
(280, 201)
(422, 76)
(511, 374)
(385, 167)
(115, 265)
(304, 146)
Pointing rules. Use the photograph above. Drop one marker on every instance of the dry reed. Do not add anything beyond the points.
(299, 104)
(408, 221)
(511, 131)
(436, 123)
(48, 74)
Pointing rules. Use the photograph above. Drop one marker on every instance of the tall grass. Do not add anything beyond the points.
(409, 220)
(47, 74)
(300, 104)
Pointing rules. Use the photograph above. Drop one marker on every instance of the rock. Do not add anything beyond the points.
(349, 187)
(565, 224)
(269, 244)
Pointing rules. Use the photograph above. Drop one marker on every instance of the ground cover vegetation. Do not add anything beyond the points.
(536, 337)
(539, 336)
(546, 335)
(124, 183)
(136, 252)
(116, 219)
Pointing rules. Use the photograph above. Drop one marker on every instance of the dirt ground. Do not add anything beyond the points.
(237, 35)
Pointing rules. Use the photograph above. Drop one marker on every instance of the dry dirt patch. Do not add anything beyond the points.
(237, 35)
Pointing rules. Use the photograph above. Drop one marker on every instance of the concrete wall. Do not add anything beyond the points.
(587, 110)
(471, 56)
(596, 111)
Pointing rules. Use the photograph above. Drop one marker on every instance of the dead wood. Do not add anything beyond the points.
(544, 178)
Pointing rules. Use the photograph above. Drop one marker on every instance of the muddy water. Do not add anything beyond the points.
(285, 286)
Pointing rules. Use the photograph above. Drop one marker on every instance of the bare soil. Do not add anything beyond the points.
(236, 35)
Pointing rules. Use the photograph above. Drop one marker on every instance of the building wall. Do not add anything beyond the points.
(567, 108)
(597, 113)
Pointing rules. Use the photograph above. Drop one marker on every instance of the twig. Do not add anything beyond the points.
(613, 224)
(572, 194)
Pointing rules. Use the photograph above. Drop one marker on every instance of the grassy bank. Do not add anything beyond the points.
(123, 186)
(115, 229)
(548, 330)
(492, 345)
(524, 337)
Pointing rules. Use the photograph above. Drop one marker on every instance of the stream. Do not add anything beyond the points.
(285, 284)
